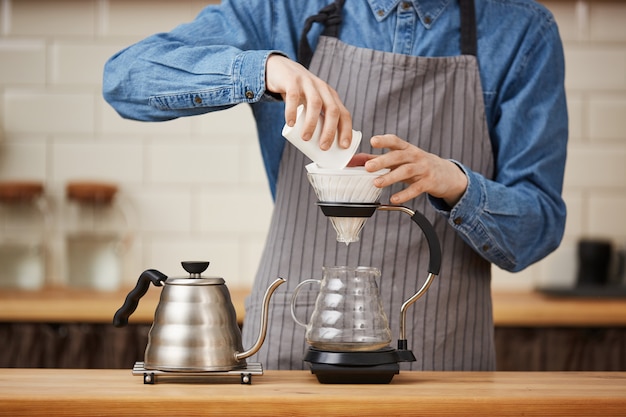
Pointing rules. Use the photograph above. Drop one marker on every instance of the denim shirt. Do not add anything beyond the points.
(218, 60)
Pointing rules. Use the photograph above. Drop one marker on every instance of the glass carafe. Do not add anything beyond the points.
(348, 314)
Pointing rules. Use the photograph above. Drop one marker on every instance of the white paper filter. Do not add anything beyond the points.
(348, 185)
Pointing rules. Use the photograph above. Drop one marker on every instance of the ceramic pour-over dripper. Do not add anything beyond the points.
(348, 185)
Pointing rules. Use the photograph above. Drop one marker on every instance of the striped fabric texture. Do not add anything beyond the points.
(436, 104)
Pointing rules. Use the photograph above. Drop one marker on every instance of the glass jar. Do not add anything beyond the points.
(96, 233)
(23, 235)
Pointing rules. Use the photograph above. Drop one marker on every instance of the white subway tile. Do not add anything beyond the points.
(165, 253)
(53, 18)
(574, 225)
(198, 5)
(235, 122)
(163, 209)
(113, 123)
(607, 118)
(596, 166)
(45, 111)
(23, 159)
(558, 270)
(606, 215)
(252, 168)
(81, 158)
(507, 281)
(576, 106)
(143, 19)
(5, 17)
(179, 162)
(595, 67)
(132, 263)
(23, 61)
(251, 252)
(235, 125)
(236, 209)
(79, 62)
(565, 14)
(607, 20)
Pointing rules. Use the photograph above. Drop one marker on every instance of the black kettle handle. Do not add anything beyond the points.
(132, 299)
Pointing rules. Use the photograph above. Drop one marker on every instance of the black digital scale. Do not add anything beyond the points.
(374, 367)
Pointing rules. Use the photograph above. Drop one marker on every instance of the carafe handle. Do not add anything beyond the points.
(296, 291)
(132, 299)
(434, 264)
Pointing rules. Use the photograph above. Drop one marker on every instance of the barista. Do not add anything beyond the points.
(464, 103)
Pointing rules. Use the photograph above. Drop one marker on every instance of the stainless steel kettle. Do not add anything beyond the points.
(195, 324)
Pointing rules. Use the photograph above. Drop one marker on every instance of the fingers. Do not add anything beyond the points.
(320, 99)
(400, 152)
(406, 194)
(407, 163)
(291, 108)
(297, 85)
(407, 173)
(332, 112)
(418, 178)
(391, 142)
(421, 171)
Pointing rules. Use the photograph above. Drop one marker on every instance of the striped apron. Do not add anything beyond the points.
(437, 105)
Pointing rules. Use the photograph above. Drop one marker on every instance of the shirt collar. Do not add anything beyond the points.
(427, 10)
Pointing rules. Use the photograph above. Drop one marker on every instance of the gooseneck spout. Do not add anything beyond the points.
(264, 315)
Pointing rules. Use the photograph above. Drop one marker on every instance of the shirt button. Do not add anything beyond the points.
(406, 5)
(197, 100)
(428, 20)
(458, 221)
(380, 12)
(249, 95)
(486, 247)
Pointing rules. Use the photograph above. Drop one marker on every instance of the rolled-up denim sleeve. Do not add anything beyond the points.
(246, 84)
(518, 217)
(211, 63)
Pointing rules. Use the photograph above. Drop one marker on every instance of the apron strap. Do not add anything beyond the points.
(330, 17)
(469, 44)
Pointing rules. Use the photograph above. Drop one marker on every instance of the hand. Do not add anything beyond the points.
(297, 85)
(423, 172)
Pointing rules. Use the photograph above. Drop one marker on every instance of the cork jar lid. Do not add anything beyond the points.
(91, 192)
(15, 191)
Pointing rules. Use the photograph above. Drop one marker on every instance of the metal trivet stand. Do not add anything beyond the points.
(150, 375)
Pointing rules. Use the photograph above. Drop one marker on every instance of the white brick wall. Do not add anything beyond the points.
(192, 203)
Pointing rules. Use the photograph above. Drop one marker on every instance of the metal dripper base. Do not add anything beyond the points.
(348, 219)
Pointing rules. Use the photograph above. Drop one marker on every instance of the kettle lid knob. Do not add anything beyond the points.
(194, 267)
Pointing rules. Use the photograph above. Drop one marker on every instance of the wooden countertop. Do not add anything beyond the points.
(522, 309)
(53, 392)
